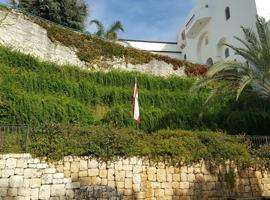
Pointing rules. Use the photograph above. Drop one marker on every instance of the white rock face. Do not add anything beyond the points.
(21, 34)
(154, 67)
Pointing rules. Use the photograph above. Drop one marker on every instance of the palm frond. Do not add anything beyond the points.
(111, 34)
(100, 27)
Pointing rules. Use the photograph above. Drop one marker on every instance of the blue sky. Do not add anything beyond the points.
(142, 19)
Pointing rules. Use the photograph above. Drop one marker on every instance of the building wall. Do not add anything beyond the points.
(23, 177)
(263, 7)
(164, 48)
(218, 29)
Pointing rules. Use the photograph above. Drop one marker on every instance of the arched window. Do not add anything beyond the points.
(228, 13)
(209, 62)
(227, 53)
(185, 56)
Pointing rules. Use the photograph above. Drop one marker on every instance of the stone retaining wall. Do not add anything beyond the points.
(24, 177)
(20, 33)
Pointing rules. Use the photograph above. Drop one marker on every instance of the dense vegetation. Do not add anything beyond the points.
(175, 147)
(70, 13)
(35, 92)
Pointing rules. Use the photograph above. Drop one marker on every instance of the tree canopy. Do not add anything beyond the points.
(71, 13)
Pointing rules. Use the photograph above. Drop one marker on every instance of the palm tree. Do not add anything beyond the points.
(234, 76)
(111, 33)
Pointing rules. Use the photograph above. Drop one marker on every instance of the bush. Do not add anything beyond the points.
(174, 147)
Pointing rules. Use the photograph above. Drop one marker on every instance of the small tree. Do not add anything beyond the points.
(111, 33)
(71, 13)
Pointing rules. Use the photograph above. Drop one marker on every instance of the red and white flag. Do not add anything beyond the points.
(136, 107)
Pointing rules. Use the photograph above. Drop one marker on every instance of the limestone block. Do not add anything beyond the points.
(3, 192)
(129, 174)
(93, 172)
(103, 173)
(175, 185)
(156, 185)
(140, 195)
(74, 176)
(136, 178)
(45, 192)
(34, 193)
(111, 184)
(120, 175)
(47, 179)
(11, 163)
(83, 173)
(33, 161)
(73, 185)
(16, 181)
(176, 177)
(184, 169)
(21, 163)
(85, 181)
(184, 177)
(50, 171)
(184, 185)
(110, 174)
(42, 166)
(169, 177)
(19, 171)
(70, 194)
(66, 166)
(161, 175)
(58, 175)
(159, 192)
(168, 192)
(35, 183)
(118, 166)
(26, 183)
(29, 173)
(137, 169)
(127, 167)
(7, 173)
(74, 167)
(26, 192)
(4, 182)
(57, 181)
(13, 192)
(102, 165)
(120, 185)
(104, 181)
(133, 160)
(92, 164)
(191, 178)
(2, 164)
(83, 165)
(128, 183)
(58, 190)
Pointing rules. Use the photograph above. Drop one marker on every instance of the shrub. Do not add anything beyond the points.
(35, 92)
(107, 143)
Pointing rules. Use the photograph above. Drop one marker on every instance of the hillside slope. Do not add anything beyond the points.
(35, 92)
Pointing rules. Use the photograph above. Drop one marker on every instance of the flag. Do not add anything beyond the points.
(136, 107)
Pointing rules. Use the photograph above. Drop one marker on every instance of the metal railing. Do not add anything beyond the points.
(258, 141)
(8, 133)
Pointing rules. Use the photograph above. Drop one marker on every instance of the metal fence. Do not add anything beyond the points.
(258, 141)
(17, 135)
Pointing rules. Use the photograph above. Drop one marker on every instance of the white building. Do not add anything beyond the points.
(211, 23)
(171, 49)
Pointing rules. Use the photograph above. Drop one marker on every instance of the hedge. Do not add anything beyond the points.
(107, 143)
(35, 92)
